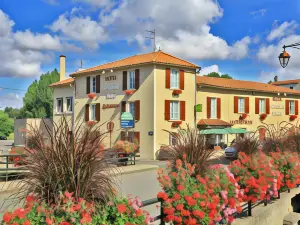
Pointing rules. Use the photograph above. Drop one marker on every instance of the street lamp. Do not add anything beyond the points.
(284, 57)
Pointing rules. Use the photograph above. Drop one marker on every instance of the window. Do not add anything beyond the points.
(262, 105)
(291, 87)
(59, 105)
(93, 85)
(172, 139)
(131, 80)
(174, 78)
(241, 105)
(292, 107)
(69, 104)
(213, 108)
(93, 112)
(174, 109)
(132, 108)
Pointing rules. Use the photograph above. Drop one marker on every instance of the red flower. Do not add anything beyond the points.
(49, 221)
(7, 217)
(65, 223)
(199, 213)
(121, 208)
(20, 213)
(177, 92)
(91, 95)
(162, 195)
(179, 207)
(130, 92)
(68, 195)
(262, 116)
(196, 195)
(293, 117)
(180, 187)
(86, 218)
(26, 223)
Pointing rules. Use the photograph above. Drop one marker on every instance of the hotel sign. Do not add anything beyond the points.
(110, 78)
(241, 122)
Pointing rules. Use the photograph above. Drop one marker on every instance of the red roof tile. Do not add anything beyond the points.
(243, 85)
(63, 82)
(153, 57)
(286, 82)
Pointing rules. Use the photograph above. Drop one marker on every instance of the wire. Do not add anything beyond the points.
(12, 89)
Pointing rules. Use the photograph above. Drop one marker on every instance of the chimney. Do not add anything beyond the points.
(62, 70)
(276, 78)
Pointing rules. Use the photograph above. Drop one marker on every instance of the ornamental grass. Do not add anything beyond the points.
(67, 161)
(193, 145)
(194, 199)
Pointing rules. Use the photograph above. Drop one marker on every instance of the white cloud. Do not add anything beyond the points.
(11, 100)
(282, 30)
(260, 12)
(210, 69)
(186, 33)
(51, 2)
(82, 29)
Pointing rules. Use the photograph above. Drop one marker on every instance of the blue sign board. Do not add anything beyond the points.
(127, 123)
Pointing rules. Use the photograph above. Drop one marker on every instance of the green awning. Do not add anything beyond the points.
(224, 131)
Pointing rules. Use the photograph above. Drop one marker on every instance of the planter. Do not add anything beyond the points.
(262, 116)
(92, 95)
(293, 117)
(176, 124)
(91, 123)
(121, 156)
(177, 92)
(130, 92)
(243, 116)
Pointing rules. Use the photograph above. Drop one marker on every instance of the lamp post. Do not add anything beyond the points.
(284, 57)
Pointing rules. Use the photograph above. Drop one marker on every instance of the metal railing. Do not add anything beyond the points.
(154, 201)
(10, 171)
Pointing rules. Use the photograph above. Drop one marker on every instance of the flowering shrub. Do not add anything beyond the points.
(177, 92)
(287, 163)
(198, 200)
(256, 175)
(243, 116)
(263, 116)
(128, 147)
(293, 117)
(91, 123)
(68, 211)
(130, 92)
(91, 95)
(17, 160)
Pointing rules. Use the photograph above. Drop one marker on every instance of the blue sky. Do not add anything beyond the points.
(239, 37)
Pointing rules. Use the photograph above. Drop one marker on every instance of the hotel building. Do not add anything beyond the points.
(164, 92)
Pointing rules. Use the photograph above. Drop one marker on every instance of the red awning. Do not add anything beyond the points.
(213, 122)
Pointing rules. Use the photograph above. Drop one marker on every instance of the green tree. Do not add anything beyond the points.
(215, 74)
(6, 124)
(12, 112)
(38, 100)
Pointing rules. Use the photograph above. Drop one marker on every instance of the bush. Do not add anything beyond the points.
(65, 161)
(67, 210)
(248, 145)
(256, 175)
(193, 145)
(126, 146)
(199, 200)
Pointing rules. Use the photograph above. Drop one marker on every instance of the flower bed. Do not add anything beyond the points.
(199, 200)
(69, 211)
(127, 147)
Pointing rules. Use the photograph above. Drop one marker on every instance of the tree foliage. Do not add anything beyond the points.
(215, 74)
(6, 124)
(12, 112)
(38, 100)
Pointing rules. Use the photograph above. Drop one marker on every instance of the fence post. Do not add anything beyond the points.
(249, 208)
(162, 215)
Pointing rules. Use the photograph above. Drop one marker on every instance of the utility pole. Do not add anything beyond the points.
(152, 32)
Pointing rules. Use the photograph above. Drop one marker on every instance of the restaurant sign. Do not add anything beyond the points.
(241, 121)
(108, 106)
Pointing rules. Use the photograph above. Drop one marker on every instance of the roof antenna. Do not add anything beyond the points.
(152, 32)
(81, 63)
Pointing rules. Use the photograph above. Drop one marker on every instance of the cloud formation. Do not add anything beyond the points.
(11, 100)
(283, 30)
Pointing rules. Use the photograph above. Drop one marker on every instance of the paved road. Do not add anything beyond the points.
(5, 146)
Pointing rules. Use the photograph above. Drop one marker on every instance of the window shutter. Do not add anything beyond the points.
(137, 79)
(88, 85)
(168, 78)
(137, 136)
(296, 107)
(98, 84)
(98, 111)
(287, 107)
(208, 107)
(256, 105)
(167, 110)
(182, 110)
(137, 110)
(87, 112)
(124, 80)
(219, 108)
(236, 104)
(123, 106)
(247, 105)
(267, 105)
(181, 80)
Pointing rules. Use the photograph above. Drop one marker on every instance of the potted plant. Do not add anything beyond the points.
(92, 95)
(263, 116)
(91, 123)
(130, 92)
(177, 92)
(293, 117)
(176, 124)
(243, 116)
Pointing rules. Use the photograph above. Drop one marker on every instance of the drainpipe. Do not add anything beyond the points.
(196, 89)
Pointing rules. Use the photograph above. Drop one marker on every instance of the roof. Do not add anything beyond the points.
(62, 82)
(158, 57)
(286, 82)
(213, 122)
(243, 85)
